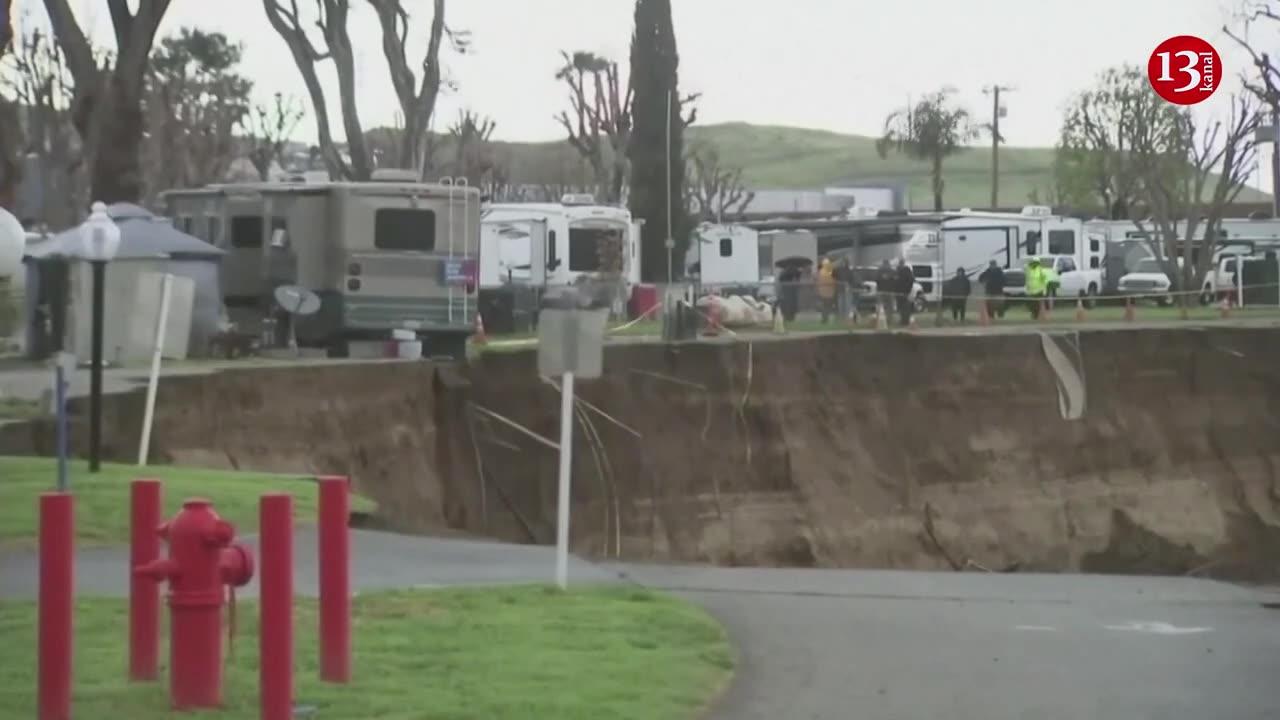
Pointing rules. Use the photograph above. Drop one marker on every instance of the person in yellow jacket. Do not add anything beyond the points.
(1039, 278)
(826, 289)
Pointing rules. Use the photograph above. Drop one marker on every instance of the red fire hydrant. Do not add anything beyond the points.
(202, 560)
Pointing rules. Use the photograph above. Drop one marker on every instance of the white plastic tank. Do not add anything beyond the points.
(13, 242)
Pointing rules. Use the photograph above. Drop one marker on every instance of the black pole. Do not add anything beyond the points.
(95, 370)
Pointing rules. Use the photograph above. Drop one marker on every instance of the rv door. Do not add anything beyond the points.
(538, 252)
(631, 263)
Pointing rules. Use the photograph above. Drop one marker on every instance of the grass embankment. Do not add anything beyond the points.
(102, 500)
(520, 653)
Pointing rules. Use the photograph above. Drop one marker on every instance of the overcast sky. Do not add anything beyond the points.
(839, 65)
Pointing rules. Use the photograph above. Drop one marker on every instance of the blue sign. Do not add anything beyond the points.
(459, 271)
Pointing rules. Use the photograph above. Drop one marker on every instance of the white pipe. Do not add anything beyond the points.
(566, 466)
(162, 321)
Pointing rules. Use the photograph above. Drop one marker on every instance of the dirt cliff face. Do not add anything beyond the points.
(1151, 451)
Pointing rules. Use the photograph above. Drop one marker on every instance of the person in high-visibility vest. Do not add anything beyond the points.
(1038, 278)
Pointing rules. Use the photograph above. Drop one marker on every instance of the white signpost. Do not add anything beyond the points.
(571, 345)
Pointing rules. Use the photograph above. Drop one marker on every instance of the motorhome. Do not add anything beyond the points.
(389, 254)
(557, 243)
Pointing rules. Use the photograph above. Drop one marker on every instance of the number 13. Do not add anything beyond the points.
(1190, 69)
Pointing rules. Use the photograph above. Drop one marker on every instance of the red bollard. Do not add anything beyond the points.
(335, 579)
(57, 593)
(275, 548)
(144, 592)
(202, 561)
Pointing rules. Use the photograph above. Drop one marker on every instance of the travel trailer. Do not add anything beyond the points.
(390, 254)
(558, 243)
(971, 240)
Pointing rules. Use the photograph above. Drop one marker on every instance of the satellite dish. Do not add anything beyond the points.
(296, 300)
(13, 244)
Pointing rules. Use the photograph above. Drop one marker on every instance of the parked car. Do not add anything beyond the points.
(1148, 281)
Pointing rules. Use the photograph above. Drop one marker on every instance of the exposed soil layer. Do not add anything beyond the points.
(893, 451)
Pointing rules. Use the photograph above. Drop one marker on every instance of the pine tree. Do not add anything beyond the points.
(655, 81)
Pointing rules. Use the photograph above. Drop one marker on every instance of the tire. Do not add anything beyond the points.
(1206, 295)
(918, 304)
(1090, 296)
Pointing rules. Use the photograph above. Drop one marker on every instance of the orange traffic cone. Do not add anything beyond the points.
(1080, 310)
(1224, 307)
(984, 317)
(1128, 309)
(480, 338)
(912, 325)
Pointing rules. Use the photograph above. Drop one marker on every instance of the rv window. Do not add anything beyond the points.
(1094, 262)
(726, 247)
(553, 256)
(1095, 245)
(1062, 242)
(766, 255)
(1033, 242)
(404, 229)
(591, 248)
(186, 224)
(246, 230)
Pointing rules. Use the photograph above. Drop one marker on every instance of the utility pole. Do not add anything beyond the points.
(997, 111)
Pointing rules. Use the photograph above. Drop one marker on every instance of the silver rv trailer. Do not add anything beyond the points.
(380, 255)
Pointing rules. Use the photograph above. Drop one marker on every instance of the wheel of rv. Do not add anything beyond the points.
(918, 304)
(1206, 295)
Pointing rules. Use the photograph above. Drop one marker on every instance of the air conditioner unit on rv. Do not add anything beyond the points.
(578, 199)
(393, 175)
(1037, 210)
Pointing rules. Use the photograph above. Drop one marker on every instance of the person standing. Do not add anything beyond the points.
(957, 293)
(1037, 287)
(992, 280)
(906, 282)
(886, 282)
(826, 289)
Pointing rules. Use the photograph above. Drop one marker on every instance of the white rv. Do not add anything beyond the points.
(556, 243)
(971, 240)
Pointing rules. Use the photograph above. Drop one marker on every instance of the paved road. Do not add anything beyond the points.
(831, 645)
(379, 561)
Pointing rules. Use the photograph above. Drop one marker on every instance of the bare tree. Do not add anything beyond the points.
(473, 157)
(714, 188)
(598, 121)
(1192, 173)
(108, 102)
(271, 126)
(35, 96)
(417, 99)
(931, 130)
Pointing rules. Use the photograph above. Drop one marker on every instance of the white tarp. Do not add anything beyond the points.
(739, 310)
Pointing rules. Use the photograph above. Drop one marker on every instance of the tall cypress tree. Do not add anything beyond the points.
(655, 81)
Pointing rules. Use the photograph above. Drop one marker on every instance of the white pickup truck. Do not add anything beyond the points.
(1073, 281)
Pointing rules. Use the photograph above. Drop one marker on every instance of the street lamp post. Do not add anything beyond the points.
(101, 240)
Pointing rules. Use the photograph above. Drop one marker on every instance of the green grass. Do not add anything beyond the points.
(518, 653)
(102, 500)
(20, 409)
(775, 157)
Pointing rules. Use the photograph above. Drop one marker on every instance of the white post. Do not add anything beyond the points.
(162, 321)
(566, 464)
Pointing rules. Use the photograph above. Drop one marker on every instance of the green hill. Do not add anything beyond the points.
(775, 157)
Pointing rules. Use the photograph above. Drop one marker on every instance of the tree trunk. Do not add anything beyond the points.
(116, 173)
(938, 184)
